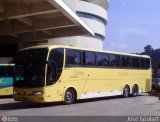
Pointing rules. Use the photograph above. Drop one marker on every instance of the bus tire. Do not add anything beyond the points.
(70, 96)
(135, 90)
(126, 91)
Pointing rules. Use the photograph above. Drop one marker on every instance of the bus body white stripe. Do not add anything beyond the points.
(100, 94)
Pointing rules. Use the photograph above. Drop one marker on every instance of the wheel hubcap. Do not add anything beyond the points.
(69, 96)
(126, 92)
(135, 91)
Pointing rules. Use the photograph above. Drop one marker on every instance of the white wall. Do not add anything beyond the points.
(94, 8)
(78, 41)
(71, 4)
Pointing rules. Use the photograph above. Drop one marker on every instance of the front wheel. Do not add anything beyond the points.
(70, 97)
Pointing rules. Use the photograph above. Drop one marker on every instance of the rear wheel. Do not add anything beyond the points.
(135, 91)
(126, 91)
(70, 96)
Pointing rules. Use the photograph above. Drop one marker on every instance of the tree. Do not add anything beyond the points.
(148, 48)
(159, 65)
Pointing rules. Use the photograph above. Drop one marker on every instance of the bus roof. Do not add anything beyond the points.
(85, 49)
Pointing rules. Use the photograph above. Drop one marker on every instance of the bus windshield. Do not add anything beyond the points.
(30, 68)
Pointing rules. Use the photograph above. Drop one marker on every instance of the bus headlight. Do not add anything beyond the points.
(15, 93)
(37, 93)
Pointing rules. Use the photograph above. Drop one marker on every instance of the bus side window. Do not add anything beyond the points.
(135, 62)
(55, 66)
(90, 58)
(123, 63)
(73, 57)
(102, 59)
(126, 61)
(57, 55)
(147, 63)
(115, 60)
(142, 63)
(112, 60)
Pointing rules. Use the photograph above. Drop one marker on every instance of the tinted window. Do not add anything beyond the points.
(33, 56)
(55, 66)
(147, 63)
(102, 59)
(90, 58)
(135, 62)
(126, 61)
(6, 71)
(30, 68)
(142, 60)
(123, 61)
(114, 60)
(73, 57)
(57, 55)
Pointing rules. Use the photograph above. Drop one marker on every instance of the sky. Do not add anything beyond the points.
(133, 24)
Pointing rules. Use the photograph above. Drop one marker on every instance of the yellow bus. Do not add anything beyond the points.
(65, 73)
(6, 79)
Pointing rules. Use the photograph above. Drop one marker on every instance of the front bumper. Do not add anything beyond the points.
(29, 98)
